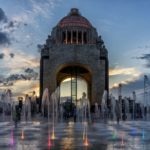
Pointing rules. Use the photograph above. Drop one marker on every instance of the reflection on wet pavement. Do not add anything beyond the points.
(69, 136)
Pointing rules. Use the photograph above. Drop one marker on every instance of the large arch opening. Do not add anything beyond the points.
(71, 89)
(73, 80)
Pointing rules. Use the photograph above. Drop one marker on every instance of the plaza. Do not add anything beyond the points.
(31, 135)
(85, 89)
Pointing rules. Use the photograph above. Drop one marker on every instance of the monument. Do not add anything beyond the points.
(74, 49)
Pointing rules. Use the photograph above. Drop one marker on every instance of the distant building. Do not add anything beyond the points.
(74, 49)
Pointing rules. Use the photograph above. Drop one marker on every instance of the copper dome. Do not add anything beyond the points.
(74, 18)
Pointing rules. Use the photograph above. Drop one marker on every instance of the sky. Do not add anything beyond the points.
(123, 25)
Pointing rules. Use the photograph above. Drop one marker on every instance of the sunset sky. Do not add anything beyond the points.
(123, 24)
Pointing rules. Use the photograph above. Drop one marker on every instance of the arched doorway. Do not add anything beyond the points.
(73, 80)
(72, 89)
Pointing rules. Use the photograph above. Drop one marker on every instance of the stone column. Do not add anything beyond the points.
(82, 37)
(71, 37)
(77, 37)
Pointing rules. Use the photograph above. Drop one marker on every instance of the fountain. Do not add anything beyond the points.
(114, 135)
(2, 100)
(122, 139)
(113, 103)
(126, 107)
(55, 98)
(96, 111)
(6, 104)
(56, 101)
(85, 111)
(53, 116)
(79, 110)
(9, 102)
(27, 109)
(12, 138)
(85, 108)
(104, 104)
(143, 134)
(46, 110)
(22, 134)
(81, 135)
(45, 103)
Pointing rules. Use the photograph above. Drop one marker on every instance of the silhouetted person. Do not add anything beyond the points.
(16, 115)
(74, 113)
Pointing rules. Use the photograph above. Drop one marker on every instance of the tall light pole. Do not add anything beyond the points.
(120, 97)
(146, 86)
(145, 93)
(134, 99)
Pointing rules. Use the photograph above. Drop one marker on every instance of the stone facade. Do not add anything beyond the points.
(75, 42)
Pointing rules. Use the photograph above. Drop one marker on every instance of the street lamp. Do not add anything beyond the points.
(120, 97)
(134, 99)
(146, 84)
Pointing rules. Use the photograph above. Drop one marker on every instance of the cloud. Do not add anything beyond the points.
(18, 63)
(123, 75)
(31, 73)
(7, 26)
(11, 26)
(123, 71)
(28, 74)
(3, 17)
(12, 55)
(2, 55)
(22, 87)
(43, 8)
(4, 39)
(145, 57)
(24, 76)
(125, 82)
(37, 8)
(127, 89)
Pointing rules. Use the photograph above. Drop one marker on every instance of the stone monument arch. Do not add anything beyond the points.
(75, 49)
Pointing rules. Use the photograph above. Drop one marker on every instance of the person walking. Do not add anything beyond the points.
(16, 115)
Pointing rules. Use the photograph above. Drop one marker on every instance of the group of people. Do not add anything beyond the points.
(31, 106)
(28, 109)
(79, 112)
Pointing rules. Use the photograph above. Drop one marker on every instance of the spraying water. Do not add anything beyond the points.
(104, 104)
(85, 112)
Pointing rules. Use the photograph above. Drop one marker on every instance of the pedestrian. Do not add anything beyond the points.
(74, 113)
(16, 115)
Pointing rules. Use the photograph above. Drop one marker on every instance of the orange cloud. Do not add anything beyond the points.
(124, 71)
(130, 75)
(22, 87)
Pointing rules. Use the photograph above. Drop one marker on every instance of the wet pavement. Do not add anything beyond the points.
(34, 135)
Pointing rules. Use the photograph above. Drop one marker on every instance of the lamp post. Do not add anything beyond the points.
(146, 84)
(120, 97)
(134, 99)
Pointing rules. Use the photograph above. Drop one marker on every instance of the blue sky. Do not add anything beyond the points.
(123, 25)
